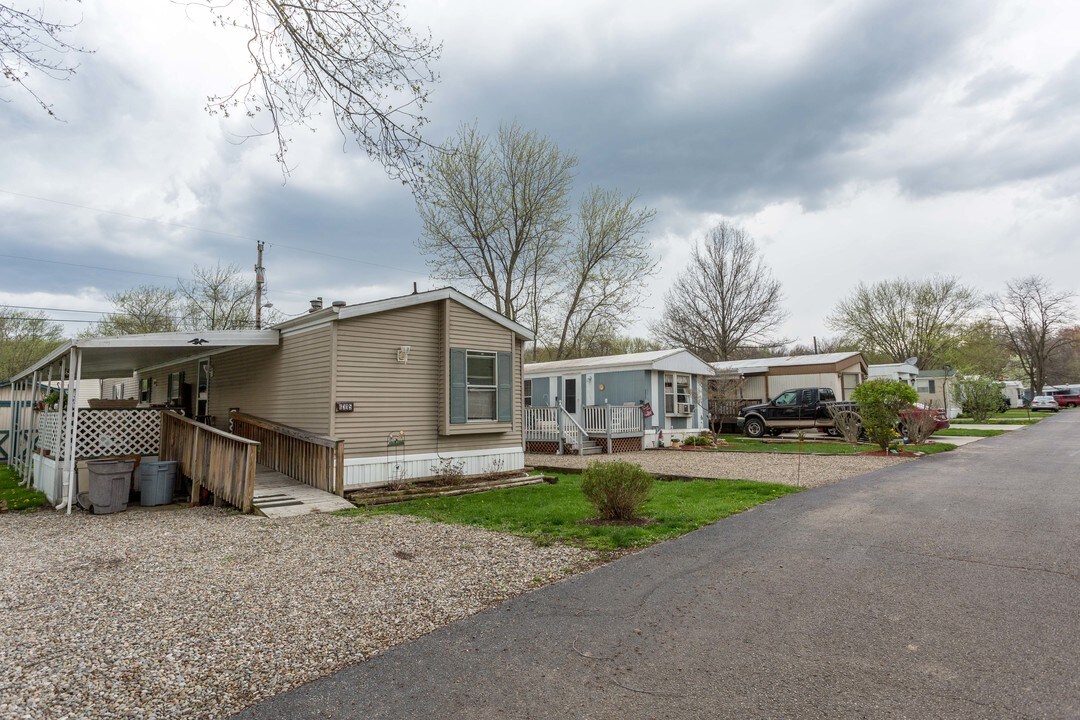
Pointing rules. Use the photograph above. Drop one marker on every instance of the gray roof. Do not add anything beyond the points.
(765, 364)
(652, 359)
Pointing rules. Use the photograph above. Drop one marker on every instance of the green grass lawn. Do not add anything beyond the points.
(739, 443)
(13, 497)
(970, 432)
(999, 420)
(549, 513)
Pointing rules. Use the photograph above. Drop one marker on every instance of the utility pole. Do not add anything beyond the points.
(260, 280)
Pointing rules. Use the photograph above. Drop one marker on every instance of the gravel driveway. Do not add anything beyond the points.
(199, 613)
(814, 470)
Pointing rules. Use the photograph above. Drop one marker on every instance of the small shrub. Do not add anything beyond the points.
(698, 441)
(981, 398)
(494, 470)
(448, 472)
(848, 423)
(919, 424)
(616, 489)
(880, 402)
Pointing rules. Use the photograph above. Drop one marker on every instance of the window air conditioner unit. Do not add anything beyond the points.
(683, 408)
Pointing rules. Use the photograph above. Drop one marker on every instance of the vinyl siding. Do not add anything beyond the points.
(628, 386)
(390, 396)
(288, 384)
(472, 331)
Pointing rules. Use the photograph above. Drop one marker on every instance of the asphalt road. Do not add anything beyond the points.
(943, 588)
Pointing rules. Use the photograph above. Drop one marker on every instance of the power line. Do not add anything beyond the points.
(53, 309)
(90, 267)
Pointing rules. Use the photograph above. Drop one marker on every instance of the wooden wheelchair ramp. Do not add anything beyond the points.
(279, 496)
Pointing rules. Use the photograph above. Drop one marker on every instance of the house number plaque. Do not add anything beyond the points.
(343, 406)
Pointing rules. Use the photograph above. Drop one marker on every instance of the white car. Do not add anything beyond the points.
(1044, 402)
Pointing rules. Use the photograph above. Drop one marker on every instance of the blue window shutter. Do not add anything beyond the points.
(458, 394)
(504, 368)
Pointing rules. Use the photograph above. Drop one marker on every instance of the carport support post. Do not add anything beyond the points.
(72, 425)
(58, 468)
(16, 409)
(11, 428)
(28, 451)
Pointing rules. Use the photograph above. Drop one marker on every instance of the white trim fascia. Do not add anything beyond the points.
(377, 306)
(211, 338)
(45, 361)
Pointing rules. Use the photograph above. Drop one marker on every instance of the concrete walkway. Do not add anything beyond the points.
(943, 588)
(278, 496)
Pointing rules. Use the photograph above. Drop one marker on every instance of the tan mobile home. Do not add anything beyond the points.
(343, 397)
(765, 378)
(405, 382)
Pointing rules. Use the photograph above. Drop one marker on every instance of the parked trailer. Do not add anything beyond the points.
(1013, 392)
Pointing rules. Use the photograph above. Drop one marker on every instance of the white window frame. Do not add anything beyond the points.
(671, 391)
(494, 388)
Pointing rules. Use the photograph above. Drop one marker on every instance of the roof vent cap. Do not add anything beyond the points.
(338, 303)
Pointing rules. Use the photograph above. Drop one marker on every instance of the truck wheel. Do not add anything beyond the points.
(754, 427)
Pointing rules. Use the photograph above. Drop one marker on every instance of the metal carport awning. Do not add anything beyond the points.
(108, 357)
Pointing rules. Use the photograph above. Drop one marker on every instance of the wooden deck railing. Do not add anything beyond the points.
(222, 463)
(314, 459)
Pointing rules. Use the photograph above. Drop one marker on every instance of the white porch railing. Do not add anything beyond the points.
(102, 433)
(614, 420)
(554, 424)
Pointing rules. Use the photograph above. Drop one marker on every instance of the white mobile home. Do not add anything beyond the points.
(644, 394)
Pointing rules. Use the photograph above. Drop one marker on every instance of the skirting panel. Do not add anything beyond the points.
(381, 470)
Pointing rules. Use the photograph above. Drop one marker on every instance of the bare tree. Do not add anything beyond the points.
(821, 345)
(901, 318)
(357, 56)
(217, 298)
(1032, 315)
(144, 309)
(1064, 365)
(24, 338)
(33, 45)
(495, 214)
(723, 393)
(606, 263)
(725, 301)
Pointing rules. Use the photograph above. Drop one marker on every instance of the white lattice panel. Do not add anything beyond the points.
(49, 435)
(118, 432)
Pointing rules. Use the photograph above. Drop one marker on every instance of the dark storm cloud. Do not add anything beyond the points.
(740, 138)
(1040, 139)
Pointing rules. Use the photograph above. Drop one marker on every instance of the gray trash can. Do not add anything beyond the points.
(157, 482)
(110, 485)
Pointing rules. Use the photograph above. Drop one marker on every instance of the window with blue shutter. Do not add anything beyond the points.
(481, 386)
(506, 389)
(458, 386)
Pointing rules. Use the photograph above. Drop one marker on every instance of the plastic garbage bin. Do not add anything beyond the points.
(157, 482)
(110, 485)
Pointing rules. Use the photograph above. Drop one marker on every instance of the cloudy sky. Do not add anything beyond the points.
(856, 141)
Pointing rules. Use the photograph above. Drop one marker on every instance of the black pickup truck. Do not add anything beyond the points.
(805, 408)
